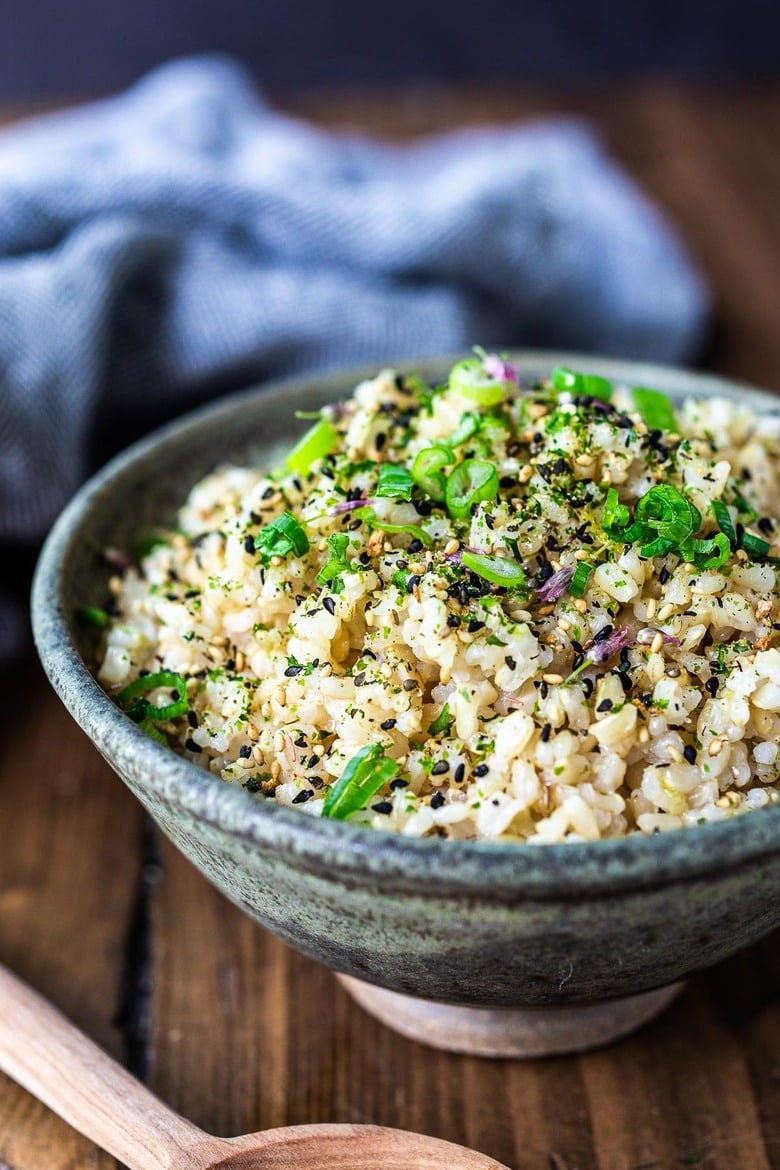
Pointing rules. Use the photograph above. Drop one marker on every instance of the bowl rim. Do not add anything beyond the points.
(513, 872)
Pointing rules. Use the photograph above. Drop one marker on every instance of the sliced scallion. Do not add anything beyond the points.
(707, 553)
(318, 442)
(589, 384)
(497, 570)
(413, 530)
(579, 582)
(394, 482)
(337, 562)
(471, 482)
(723, 519)
(442, 723)
(655, 408)
(666, 512)
(616, 515)
(754, 546)
(470, 380)
(93, 615)
(284, 535)
(427, 471)
(131, 698)
(367, 771)
(467, 427)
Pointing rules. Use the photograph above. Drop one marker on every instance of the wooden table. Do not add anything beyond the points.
(238, 1032)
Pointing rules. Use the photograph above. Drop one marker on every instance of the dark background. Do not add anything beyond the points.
(52, 48)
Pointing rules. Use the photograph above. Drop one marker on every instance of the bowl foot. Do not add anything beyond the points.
(522, 1033)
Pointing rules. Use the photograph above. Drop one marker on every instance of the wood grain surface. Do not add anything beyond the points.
(239, 1033)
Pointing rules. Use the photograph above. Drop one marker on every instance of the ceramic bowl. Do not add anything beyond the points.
(498, 929)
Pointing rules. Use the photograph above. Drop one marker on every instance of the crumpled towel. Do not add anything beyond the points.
(184, 235)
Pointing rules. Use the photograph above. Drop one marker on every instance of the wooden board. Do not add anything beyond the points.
(238, 1032)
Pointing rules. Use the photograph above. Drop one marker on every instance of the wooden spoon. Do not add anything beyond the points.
(46, 1054)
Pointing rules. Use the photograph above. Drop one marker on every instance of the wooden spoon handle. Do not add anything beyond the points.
(46, 1054)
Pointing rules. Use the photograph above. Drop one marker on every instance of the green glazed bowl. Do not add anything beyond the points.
(468, 923)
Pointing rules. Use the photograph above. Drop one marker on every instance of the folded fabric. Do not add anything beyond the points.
(184, 235)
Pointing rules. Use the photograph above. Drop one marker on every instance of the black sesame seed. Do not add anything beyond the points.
(546, 731)
(766, 525)
(690, 754)
(605, 705)
(544, 689)
(192, 746)
(440, 767)
(353, 527)
(453, 621)
(587, 686)
(382, 806)
(546, 571)
(291, 671)
(303, 796)
(711, 685)
(312, 761)
(329, 604)
(481, 770)
(245, 751)
(603, 633)
(399, 783)
(269, 491)
(364, 558)
(460, 772)
(507, 481)
(249, 544)
(301, 741)
(388, 724)
(380, 440)
(625, 681)
(230, 664)
(423, 508)
(437, 800)
(410, 684)
(192, 719)
(511, 662)
(415, 545)
(664, 576)
(474, 625)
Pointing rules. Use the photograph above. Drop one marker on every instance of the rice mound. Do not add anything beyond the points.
(513, 708)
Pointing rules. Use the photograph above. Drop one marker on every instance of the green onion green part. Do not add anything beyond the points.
(395, 482)
(132, 702)
(497, 570)
(616, 515)
(470, 483)
(318, 442)
(467, 427)
(413, 530)
(655, 408)
(469, 379)
(337, 562)
(579, 582)
(442, 723)
(708, 553)
(284, 535)
(594, 387)
(367, 771)
(723, 519)
(427, 471)
(754, 546)
(93, 615)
